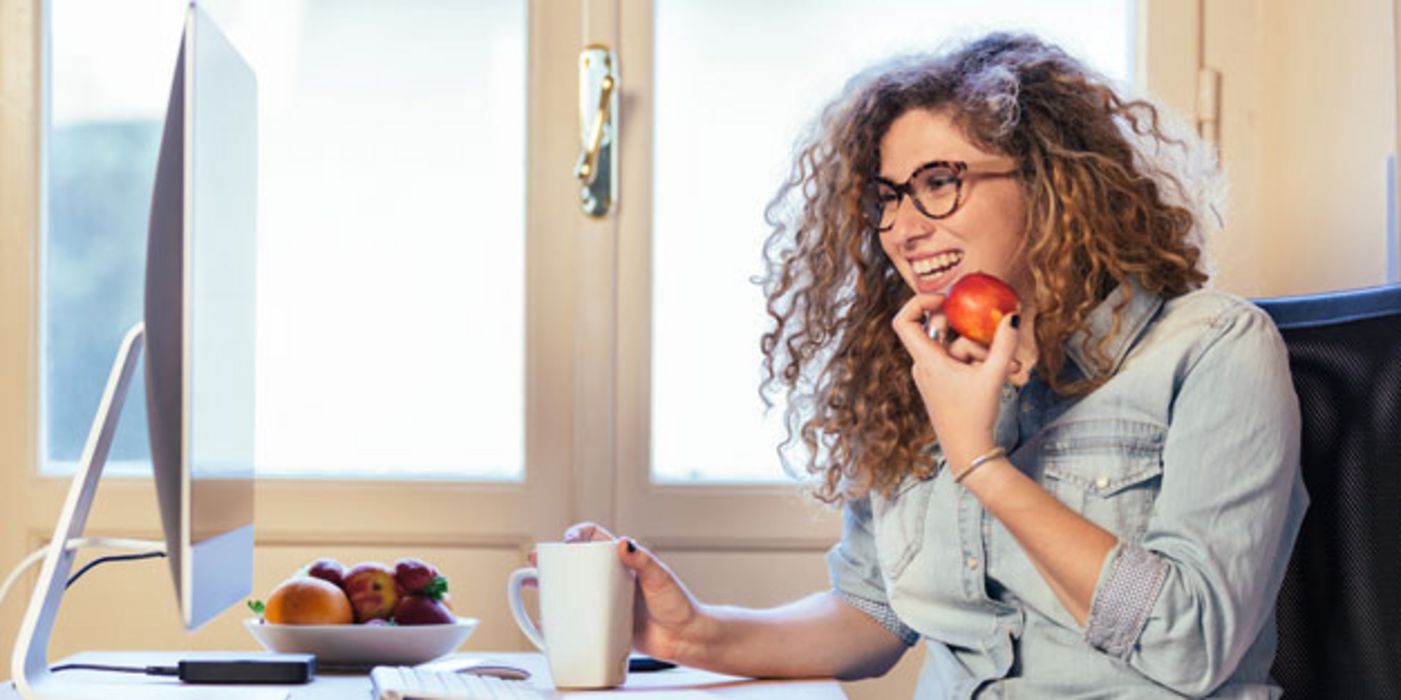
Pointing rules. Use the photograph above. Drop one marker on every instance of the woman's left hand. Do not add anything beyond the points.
(961, 390)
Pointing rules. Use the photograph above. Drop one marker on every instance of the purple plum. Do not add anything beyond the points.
(328, 570)
(418, 577)
(422, 610)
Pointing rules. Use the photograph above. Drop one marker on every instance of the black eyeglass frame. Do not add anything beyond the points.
(962, 170)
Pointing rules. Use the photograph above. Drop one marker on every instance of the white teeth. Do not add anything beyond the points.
(936, 264)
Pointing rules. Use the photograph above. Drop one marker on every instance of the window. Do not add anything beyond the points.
(391, 228)
(625, 421)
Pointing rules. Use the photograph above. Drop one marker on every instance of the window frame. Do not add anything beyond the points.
(588, 354)
(303, 510)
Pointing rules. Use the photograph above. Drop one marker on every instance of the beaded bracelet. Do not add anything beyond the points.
(979, 461)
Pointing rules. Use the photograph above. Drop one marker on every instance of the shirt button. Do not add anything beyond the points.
(1102, 483)
(972, 563)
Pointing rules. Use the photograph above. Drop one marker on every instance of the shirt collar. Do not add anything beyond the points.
(1142, 308)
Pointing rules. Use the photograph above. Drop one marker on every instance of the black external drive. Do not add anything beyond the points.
(269, 668)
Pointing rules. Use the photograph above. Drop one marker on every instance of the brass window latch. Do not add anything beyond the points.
(596, 167)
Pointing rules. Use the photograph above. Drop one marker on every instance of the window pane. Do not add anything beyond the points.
(107, 101)
(391, 225)
(711, 107)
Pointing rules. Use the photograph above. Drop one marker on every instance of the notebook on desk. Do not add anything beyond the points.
(405, 682)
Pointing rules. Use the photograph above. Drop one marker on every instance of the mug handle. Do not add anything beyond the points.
(513, 593)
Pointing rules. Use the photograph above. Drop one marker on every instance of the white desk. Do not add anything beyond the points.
(680, 683)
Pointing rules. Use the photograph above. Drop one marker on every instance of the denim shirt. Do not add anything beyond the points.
(1188, 454)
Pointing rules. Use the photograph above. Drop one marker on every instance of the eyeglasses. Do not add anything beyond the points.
(936, 188)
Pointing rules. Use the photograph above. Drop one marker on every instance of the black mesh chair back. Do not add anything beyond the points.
(1339, 612)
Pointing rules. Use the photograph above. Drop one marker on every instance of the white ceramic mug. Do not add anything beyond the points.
(585, 609)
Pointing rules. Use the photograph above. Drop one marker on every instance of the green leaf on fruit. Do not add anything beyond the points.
(257, 607)
(436, 588)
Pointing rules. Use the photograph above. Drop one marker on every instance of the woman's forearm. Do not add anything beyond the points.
(817, 636)
(1065, 547)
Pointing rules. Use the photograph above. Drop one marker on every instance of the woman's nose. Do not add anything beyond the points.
(909, 223)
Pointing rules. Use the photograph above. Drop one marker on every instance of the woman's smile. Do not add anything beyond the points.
(936, 272)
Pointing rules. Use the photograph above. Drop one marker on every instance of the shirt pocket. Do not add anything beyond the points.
(899, 524)
(1108, 471)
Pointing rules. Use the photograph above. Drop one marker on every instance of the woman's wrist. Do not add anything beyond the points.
(977, 463)
(702, 637)
(982, 480)
(960, 457)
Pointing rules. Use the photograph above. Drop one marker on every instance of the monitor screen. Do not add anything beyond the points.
(200, 318)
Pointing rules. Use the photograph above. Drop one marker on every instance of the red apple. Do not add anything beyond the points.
(372, 591)
(977, 303)
(416, 576)
(422, 610)
(327, 570)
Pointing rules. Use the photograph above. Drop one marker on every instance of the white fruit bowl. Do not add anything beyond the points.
(401, 645)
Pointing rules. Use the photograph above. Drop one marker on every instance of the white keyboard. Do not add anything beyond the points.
(406, 683)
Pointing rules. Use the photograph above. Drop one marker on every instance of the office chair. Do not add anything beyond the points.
(1339, 612)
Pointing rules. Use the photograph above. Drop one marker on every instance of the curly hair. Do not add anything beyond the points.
(1103, 207)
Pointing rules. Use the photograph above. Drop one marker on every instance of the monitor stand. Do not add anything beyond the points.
(29, 664)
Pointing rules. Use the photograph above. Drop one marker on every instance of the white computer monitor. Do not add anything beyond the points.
(199, 329)
(200, 320)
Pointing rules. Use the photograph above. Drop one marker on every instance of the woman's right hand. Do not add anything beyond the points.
(667, 620)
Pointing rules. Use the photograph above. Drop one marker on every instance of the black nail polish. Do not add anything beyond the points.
(632, 546)
(1016, 320)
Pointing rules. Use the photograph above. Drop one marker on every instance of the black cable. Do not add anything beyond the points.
(144, 670)
(111, 557)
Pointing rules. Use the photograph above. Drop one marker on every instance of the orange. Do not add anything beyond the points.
(304, 600)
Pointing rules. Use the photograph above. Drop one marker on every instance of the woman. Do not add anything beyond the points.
(1103, 501)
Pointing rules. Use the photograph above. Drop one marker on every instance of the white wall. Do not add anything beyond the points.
(1309, 102)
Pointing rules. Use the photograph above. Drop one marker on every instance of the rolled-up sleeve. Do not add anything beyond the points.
(855, 574)
(1131, 577)
(1184, 603)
